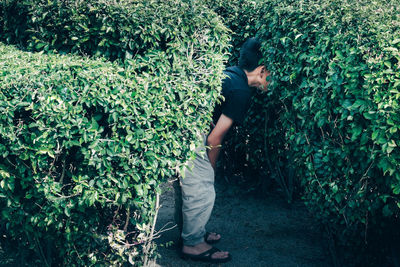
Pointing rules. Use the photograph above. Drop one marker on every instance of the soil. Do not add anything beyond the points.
(257, 231)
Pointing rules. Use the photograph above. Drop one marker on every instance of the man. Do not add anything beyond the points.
(197, 187)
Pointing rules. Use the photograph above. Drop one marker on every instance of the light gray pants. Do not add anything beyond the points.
(198, 195)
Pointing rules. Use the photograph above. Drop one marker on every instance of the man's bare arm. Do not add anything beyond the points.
(215, 138)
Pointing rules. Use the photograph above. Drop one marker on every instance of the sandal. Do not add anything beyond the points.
(206, 256)
(211, 241)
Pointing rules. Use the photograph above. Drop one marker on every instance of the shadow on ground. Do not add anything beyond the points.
(263, 232)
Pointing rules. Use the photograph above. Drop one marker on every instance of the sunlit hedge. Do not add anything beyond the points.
(85, 143)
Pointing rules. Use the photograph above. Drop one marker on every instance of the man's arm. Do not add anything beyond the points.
(215, 138)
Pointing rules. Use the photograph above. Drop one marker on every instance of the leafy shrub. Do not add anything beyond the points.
(333, 111)
(242, 17)
(84, 144)
(111, 29)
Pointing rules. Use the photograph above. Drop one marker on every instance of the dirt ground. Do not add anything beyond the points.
(265, 232)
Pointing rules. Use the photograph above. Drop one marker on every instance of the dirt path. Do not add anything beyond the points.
(257, 232)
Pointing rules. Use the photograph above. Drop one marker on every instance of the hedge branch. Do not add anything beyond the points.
(150, 238)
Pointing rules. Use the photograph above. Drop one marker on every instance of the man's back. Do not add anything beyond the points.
(236, 94)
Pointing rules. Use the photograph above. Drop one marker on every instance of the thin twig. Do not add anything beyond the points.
(77, 253)
(128, 214)
(150, 238)
(162, 230)
(63, 172)
(41, 251)
(63, 197)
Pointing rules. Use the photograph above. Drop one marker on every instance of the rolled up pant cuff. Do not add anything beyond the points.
(193, 242)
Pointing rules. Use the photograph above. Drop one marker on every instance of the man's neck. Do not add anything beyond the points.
(251, 77)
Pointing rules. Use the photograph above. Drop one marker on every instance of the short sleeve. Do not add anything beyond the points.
(236, 104)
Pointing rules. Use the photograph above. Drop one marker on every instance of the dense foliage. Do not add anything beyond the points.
(83, 140)
(242, 17)
(328, 128)
(85, 143)
(333, 111)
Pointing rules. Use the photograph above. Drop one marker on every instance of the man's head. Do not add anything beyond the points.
(249, 61)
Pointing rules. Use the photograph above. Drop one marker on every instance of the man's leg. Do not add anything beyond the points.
(198, 196)
(211, 237)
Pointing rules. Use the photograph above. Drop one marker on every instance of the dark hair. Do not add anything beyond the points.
(250, 54)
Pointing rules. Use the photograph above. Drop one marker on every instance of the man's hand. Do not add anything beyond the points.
(215, 138)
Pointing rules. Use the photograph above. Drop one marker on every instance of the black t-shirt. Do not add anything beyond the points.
(237, 94)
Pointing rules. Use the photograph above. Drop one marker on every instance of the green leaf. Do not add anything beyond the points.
(375, 134)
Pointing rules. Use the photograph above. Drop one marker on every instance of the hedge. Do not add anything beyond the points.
(333, 113)
(85, 143)
(327, 130)
(107, 28)
(242, 17)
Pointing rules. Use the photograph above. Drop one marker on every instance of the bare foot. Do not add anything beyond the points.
(212, 237)
(203, 247)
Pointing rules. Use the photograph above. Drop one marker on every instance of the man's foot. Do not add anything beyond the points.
(212, 238)
(205, 252)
